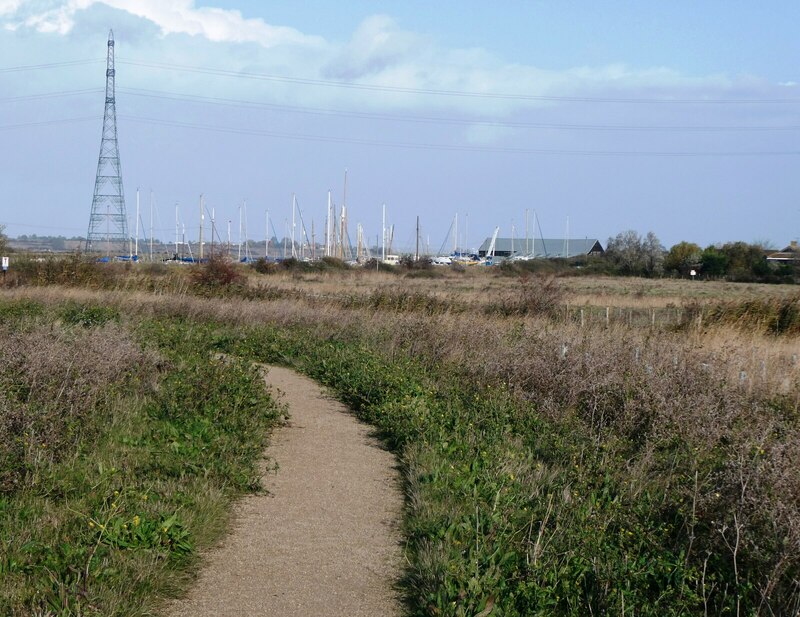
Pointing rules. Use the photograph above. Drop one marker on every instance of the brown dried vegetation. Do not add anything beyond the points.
(704, 421)
(51, 378)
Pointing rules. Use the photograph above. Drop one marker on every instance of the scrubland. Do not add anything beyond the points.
(570, 446)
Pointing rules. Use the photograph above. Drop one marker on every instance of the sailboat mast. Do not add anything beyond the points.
(294, 224)
(202, 221)
(177, 230)
(345, 252)
(151, 225)
(527, 246)
(383, 243)
(246, 245)
(136, 246)
(465, 246)
(416, 250)
(328, 223)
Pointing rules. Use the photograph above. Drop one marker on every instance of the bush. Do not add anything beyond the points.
(54, 382)
(74, 270)
(377, 265)
(409, 263)
(332, 263)
(262, 266)
(87, 315)
(535, 295)
(217, 272)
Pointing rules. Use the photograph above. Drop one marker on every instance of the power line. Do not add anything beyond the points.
(398, 89)
(317, 111)
(48, 122)
(437, 92)
(324, 112)
(65, 228)
(50, 95)
(446, 147)
(49, 65)
(405, 145)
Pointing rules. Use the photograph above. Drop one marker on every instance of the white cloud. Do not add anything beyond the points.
(8, 7)
(171, 16)
(379, 54)
(376, 45)
(218, 25)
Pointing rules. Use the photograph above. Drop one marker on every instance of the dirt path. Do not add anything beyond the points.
(324, 541)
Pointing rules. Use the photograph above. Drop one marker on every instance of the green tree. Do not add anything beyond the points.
(683, 257)
(745, 261)
(713, 262)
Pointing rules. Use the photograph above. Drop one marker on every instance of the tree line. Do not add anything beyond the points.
(631, 254)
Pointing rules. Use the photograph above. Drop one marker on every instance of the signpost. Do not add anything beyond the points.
(5, 266)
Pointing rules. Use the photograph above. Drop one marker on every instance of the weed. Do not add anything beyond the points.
(550, 469)
(217, 272)
(87, 316)
(117, 462)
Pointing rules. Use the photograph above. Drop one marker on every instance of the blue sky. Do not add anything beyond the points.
(682, 118)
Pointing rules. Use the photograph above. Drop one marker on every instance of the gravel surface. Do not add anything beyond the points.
(324, 540)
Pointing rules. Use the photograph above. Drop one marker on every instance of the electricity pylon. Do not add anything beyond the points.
(108, 223)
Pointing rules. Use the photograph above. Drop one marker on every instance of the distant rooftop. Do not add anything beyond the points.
(543, 247)
(790, 253)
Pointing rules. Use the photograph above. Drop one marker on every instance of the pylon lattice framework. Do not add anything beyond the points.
(108, 222)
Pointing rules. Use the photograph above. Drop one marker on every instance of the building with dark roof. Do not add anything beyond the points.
(542, 247)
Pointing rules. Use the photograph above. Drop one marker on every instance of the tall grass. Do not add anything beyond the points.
(553, 469)
(121, 448)
(618, 476)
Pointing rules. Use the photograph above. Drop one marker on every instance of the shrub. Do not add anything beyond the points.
(217, 272)
(87, 315)
(535, 295)
(332, 263)
(409, 263)
(51, 383)
(74, 270)
(262, 266)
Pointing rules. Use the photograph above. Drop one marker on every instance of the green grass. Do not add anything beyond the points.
(580, 488)
(143, 480)
(518, 514)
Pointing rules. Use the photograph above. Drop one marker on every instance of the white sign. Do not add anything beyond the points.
(5, 264)
(693, 273)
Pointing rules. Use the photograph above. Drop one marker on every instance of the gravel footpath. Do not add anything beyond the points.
(324, 540)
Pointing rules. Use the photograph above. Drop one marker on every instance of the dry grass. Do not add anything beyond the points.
(704, 420)
(117, 462)
(51, 379)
